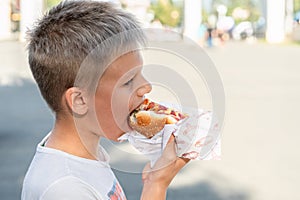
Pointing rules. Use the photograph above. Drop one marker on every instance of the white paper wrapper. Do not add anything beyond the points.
(195, 138)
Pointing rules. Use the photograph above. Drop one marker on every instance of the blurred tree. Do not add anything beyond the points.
(204, 16)
(167, 12)
(50, 3)
(296, 5)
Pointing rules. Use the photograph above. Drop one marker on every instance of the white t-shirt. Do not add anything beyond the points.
(57, 175)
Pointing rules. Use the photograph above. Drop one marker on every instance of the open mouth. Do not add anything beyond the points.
(131, 115)
(135, 108)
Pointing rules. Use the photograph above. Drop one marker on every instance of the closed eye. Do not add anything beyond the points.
(128, 82)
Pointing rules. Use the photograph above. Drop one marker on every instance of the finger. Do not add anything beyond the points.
(168, 156)
(146, 171)
(181, 162)
(171, 139)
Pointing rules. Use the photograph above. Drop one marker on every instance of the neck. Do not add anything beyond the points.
(66, 137)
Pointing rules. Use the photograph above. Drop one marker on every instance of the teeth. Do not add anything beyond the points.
(133, 118)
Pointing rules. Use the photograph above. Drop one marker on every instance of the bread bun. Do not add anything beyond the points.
(150, 117)
(147, 123)
(171, 120)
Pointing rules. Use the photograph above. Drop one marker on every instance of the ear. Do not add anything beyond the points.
(76, 100)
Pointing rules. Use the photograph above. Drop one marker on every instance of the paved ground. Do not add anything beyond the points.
(261, 157)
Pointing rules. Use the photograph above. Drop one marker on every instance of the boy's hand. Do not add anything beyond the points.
(157, 179)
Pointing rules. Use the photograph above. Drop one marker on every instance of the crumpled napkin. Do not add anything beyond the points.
(196, 138)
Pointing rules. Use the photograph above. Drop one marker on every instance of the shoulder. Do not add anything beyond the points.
(72, 188)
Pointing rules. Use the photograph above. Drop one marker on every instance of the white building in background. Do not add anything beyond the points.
(192, 18)
(5, 21)
(279, 15)
(31, 10)
(18, 15)
(275, 32)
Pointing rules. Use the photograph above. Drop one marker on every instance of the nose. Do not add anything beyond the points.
(145, 88)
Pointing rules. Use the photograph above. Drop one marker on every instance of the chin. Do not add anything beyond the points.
(118, 131)
(114, 139)
(115, 135)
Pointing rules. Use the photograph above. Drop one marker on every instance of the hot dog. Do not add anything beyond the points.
(150, 118)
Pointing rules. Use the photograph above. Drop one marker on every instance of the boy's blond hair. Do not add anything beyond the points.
(63, 39)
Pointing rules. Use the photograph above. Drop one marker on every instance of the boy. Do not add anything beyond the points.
(69, 49)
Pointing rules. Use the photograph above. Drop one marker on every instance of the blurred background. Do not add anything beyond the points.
(219, 20)
(255, 45)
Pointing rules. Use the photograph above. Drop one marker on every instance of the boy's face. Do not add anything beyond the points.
(120, 90)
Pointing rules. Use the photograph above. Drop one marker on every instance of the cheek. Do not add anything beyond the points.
(112, 113)
(113, 109)
(121, 103)
(133, 101)
(103, 111)
(103, 104)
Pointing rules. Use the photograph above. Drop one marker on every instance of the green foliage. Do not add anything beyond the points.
(204, 16)
(296, 5)
(167, 12)
(50, 3)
